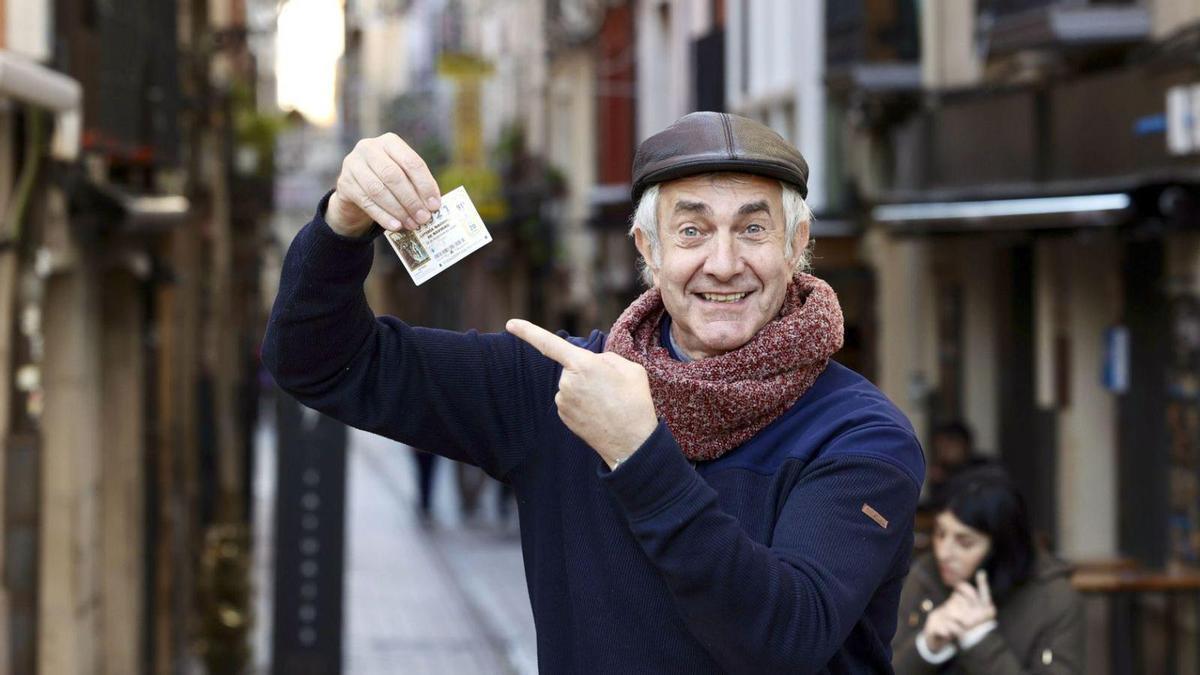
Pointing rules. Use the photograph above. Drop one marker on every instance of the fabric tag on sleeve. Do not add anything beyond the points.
(874, 515)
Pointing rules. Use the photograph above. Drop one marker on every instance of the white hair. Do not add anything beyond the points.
(645, 218)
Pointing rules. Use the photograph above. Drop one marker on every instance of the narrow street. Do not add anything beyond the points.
(445, 598)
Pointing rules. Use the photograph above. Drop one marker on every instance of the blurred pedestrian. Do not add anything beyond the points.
(426, 462)
(951, 451)
(701, 489)
(986, 600)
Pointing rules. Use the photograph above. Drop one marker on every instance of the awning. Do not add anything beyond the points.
(1067, 25)
(1032, 213)
(35, 84)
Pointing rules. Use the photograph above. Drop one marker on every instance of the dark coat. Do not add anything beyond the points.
(1040, 626)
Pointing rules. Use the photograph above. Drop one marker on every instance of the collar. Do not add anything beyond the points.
(667, 340)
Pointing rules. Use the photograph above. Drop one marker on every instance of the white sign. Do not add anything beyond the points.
(1183, 119)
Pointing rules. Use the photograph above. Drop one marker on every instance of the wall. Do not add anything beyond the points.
(977, 272)
(1168, 16)
(775, 69)
(512, 38)
(1078, 297)
(665, 30)
(949, 58)
(571, 116)
(906, 348)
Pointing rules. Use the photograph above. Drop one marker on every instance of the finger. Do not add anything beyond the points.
(376, 200)
(350, 191)
(393, 177)
(967, 592)
(985, 591)
(416, 170)
(549, 344)
(953, 615)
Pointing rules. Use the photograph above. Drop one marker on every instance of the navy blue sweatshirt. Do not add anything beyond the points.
(787, 554)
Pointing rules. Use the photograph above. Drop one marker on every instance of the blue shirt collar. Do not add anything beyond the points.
(667, 340)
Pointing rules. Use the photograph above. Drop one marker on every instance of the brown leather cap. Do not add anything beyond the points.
(703, 142)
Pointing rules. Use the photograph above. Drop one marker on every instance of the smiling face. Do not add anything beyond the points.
(958, 548)
(722, 273)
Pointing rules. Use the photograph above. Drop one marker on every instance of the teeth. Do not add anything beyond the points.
(723, 297)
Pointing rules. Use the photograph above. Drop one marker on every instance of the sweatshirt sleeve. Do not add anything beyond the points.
(790, 606)
(455, 394)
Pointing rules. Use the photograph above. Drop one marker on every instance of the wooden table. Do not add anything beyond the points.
(1121, 584)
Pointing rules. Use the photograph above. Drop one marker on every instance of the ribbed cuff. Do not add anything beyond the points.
(319, 217)
(653, 477)
(331, 257)
(974, 636)
(935, 658)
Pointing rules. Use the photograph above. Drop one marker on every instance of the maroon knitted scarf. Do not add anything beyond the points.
(715, 404)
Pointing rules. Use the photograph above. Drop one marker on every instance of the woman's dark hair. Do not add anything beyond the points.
(985, 500)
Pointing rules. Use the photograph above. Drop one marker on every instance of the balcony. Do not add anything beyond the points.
(875, 31)
(873, 44)
(1014, 25)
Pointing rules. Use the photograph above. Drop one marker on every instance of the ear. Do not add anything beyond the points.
(643, 247)
(799, 242)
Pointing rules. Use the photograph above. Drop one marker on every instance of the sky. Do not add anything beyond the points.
(309, 41)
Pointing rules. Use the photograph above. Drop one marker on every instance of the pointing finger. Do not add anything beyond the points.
(549, 344)
(985, 591)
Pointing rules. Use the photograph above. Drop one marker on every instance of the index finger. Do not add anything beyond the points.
(416, 170)
(985, 591)
(549, 344)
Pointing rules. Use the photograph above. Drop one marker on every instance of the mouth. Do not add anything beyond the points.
(724, 298)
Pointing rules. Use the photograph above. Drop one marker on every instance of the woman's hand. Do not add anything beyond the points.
(942, 626)
(969, 606)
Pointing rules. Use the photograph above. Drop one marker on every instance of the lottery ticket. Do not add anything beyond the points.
(454, 232)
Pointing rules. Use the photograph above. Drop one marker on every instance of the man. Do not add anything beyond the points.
(701, 489)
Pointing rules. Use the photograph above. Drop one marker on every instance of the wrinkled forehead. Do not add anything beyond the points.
(720, 194)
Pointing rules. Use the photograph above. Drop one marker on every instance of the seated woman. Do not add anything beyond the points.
(986, 600)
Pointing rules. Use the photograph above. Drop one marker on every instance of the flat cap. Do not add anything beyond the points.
(703, 142)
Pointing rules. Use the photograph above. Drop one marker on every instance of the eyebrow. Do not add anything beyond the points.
(687, 206)
(755, 207)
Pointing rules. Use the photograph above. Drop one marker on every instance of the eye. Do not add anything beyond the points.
(755, 228)
(690, 231)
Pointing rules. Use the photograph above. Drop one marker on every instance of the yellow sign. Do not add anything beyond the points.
(469, 165)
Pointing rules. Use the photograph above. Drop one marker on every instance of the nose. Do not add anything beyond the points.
(724, 260)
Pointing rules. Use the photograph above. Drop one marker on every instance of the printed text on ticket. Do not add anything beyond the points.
(455, 232)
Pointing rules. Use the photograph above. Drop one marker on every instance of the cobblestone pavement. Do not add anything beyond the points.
(443, 598)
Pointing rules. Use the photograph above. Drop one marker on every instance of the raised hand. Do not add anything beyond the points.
(385, 181)
(973, 606)
(942, 626)
(603, 398)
